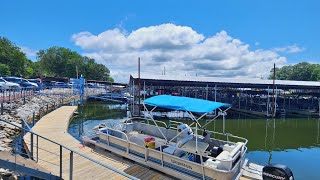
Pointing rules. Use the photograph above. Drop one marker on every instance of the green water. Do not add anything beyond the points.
(293, 142)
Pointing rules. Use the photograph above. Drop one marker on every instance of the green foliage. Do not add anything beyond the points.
(55, 61)
(62, 62)
(12, 57)
(4, 69)
(301, 72)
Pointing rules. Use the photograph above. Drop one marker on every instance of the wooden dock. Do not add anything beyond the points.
(54, 126)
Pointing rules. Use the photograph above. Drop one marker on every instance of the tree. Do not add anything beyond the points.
(62, 62)
(4, 70)
(301, 72)
(12, 57)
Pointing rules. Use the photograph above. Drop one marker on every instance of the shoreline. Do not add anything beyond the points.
(32, 106)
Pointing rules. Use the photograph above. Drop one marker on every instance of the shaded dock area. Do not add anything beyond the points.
(62, 162)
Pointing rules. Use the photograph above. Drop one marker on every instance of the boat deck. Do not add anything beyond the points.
(54, 126)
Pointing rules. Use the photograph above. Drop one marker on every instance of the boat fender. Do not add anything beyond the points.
(277, 172)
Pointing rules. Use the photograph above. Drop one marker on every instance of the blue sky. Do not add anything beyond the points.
(288, 28)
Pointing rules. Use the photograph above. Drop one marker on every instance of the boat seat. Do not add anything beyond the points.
(172, 149)
(236, 149)
(169, 150)
(228, 147)
(229, 151)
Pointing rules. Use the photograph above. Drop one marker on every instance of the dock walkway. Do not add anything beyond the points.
(54, 126)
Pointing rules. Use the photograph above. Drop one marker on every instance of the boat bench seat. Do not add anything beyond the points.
(229, 151)
(138, 139)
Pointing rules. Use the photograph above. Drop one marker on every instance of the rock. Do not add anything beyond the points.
(7, 140)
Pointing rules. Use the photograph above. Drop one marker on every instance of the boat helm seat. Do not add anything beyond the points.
(173, 148)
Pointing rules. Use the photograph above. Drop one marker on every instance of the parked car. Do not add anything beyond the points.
(26, 83)
(22, 82)
(37, 81)
(8, 85)
(61, 84)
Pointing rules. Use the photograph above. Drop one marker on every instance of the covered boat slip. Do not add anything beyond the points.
(179, 151)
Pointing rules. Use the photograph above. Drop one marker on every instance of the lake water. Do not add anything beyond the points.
(293, 142)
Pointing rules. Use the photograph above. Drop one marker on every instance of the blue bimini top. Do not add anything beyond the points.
(184, 103)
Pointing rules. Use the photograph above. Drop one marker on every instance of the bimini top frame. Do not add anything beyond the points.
(189, 105)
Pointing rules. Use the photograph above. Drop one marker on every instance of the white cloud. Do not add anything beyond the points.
(30, 53)
(180, 49)
(290, 49)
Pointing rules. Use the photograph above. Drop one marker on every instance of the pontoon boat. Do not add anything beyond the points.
(180, 150)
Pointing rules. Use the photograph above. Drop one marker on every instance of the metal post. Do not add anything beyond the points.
(268, 102)
(144, 90)
(37, 148)
(274, 78)
(196, 137)
(133, 103)
(318, 105)
(139, 88)
(9, 94)
(1, 108)
(71, 165)
(239, 98)
(224, 119)
(207, 92)
(215, 98)
(31, 145)
(60, 162)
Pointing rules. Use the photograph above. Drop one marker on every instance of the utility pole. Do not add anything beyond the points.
(273, 99)
(139, 85)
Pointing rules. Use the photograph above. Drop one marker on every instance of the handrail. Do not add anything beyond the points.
(138, 118)
(214, 132)
(114, 130)
(73, 151)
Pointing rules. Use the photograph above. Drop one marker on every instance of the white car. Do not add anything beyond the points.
(8, 85)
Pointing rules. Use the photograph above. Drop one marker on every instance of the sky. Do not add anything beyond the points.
(204, 38)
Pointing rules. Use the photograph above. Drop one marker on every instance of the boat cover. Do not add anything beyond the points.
(184, 103)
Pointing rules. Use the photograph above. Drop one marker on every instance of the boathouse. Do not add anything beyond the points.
(250, 96)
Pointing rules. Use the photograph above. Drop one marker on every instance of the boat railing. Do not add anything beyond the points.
(201, 155)
(174, 123)
(130, 120)
(227, 135)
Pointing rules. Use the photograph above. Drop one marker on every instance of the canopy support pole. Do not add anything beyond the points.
(194, 119)
(224, 119)
(196, 138)
(211, 120)
(155, 121)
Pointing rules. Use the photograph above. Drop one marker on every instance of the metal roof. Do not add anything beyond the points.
(233, 82)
